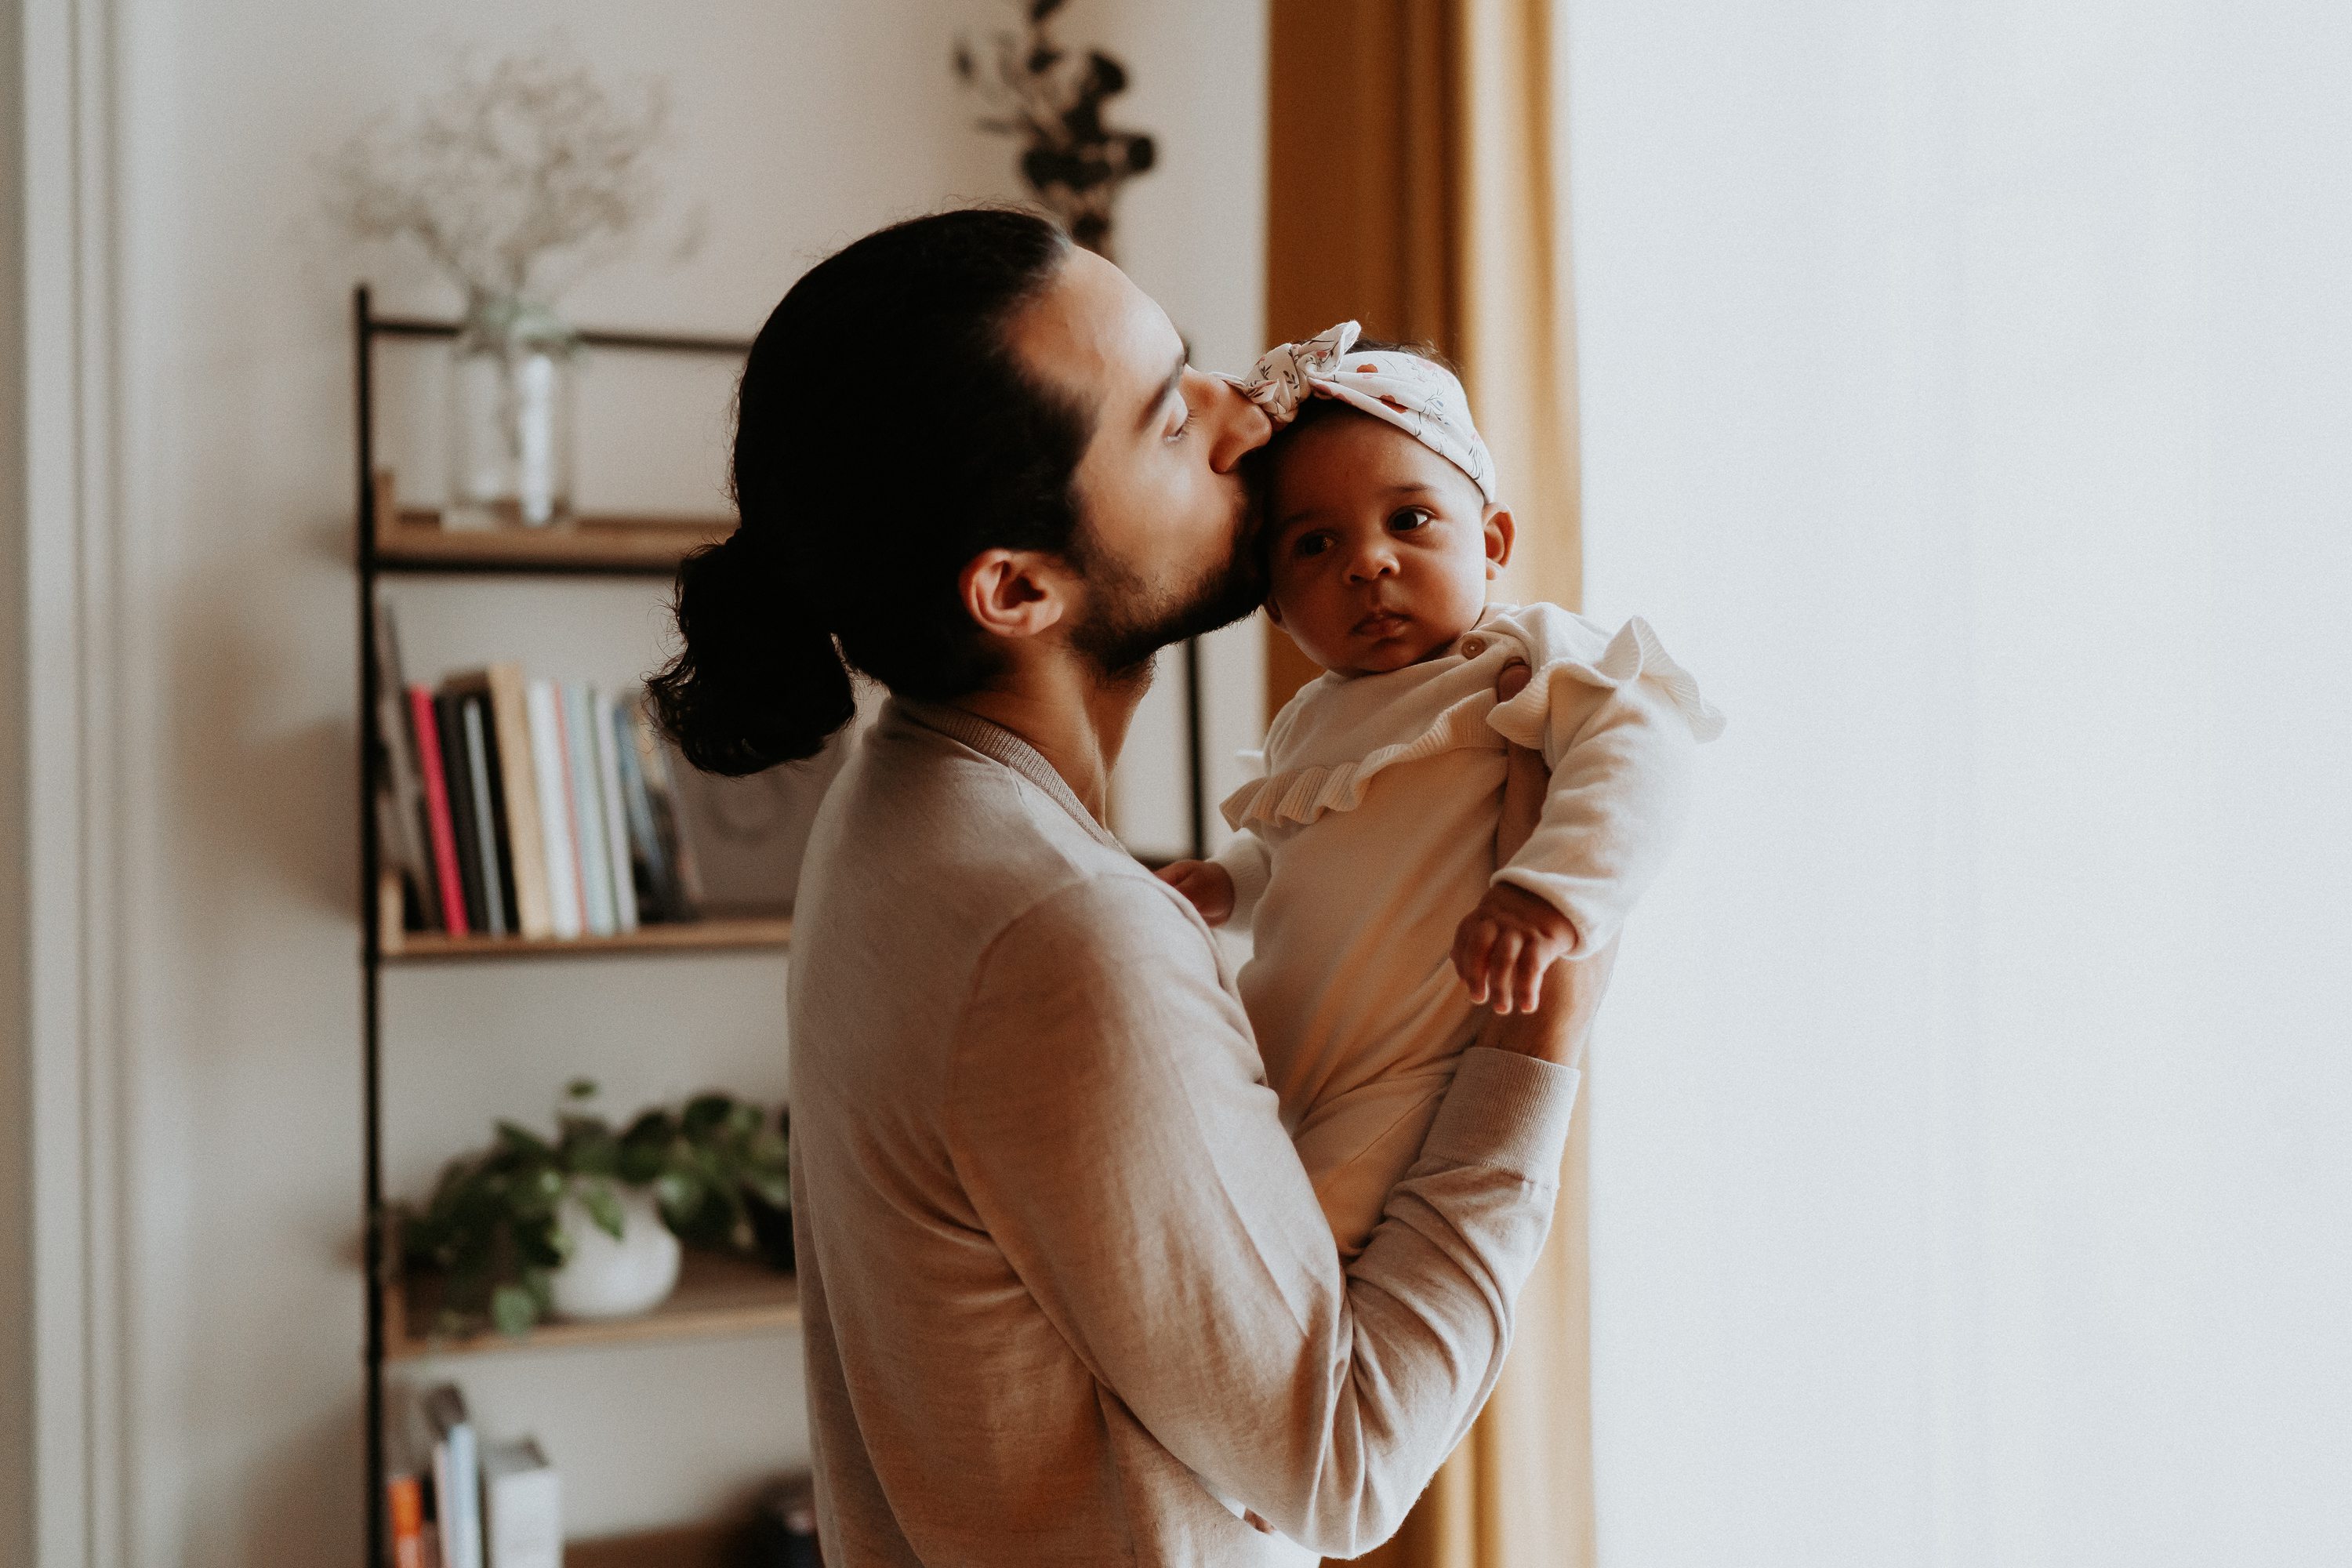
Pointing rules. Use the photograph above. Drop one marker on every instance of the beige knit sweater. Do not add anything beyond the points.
(1066, 1281)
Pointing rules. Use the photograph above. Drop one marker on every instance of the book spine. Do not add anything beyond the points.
(566, 913)
(404, 1506)
(685, 880)
(460, 1498)
(405, 845)
(460, 790)
(645, 863)
(518, 784)
(445, 875)
(616, 827)
(486, 816)
(588, 808)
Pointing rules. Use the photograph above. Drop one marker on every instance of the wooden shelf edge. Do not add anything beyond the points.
(682, 1546)
(730, 933)
(718, 1297)
(414, 539)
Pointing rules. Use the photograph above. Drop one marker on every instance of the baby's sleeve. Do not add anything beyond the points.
(1620, 733)
(1249, 862)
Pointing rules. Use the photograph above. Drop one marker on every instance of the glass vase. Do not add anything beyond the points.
(511, 371)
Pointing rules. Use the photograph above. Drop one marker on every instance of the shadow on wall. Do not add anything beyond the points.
(256, 803)
(300, 1507)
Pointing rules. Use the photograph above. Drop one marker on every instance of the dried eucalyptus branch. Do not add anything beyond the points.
(1051, 101)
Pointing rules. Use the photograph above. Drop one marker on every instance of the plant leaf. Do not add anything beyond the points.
(604, 1207)
(522, 1140)
(513, 1309)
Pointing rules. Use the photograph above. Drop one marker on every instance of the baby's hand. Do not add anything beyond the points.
(1208, 885)
(1503, 948)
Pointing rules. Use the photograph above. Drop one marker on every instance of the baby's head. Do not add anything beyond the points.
(1380, 533)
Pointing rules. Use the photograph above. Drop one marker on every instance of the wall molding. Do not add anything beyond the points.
(74, 819)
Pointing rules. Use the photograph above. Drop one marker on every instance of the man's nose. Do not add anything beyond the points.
(1241, 426)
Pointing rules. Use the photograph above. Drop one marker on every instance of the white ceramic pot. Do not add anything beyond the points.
(602, 1278)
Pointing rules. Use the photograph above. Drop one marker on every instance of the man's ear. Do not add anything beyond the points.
(1013, 592)
(1501, 533)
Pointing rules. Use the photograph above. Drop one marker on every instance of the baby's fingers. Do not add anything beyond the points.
(1531, 968)
(1471, 938)
(1504, 960)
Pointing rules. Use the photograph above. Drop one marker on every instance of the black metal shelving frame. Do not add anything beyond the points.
(367, 329)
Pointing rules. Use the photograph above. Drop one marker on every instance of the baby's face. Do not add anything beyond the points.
(1382, 549)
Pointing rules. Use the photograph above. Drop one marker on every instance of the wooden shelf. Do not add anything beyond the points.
(717, 1295)
(715, 935)
(414, 540)
(687, 1546)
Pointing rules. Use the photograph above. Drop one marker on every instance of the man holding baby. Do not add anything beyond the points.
(1071, 1291)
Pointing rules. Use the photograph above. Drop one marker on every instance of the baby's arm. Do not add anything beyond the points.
(1618, 788)
(1227, 886)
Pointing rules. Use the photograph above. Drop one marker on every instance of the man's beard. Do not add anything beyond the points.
(1126, 621)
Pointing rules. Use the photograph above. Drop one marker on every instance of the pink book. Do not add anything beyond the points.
(438, 822)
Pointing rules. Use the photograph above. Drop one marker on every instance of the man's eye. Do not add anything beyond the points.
(1182, 424)
(1411, 518)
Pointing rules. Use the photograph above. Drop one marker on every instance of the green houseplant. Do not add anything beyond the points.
(715, 1166)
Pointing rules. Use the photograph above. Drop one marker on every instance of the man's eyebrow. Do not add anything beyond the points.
(1160, 399)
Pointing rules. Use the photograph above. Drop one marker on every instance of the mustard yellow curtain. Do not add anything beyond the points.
(1414, 185)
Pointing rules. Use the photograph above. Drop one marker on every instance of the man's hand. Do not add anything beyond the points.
(1209, 886)
(1504, 947)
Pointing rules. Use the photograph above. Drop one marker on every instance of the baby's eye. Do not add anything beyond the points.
(1311, 544)
(1410, 518)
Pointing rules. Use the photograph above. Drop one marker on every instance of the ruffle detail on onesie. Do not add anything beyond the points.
(1633, 654)
(1302, 794)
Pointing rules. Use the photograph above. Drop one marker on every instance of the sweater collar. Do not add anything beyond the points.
(999, 745)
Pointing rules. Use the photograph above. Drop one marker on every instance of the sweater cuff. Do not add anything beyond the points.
(1248, 863)
(1507, 1111)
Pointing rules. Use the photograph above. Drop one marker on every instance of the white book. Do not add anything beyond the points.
(588, 808)
(456, 1480)
(522, 1507)
(565, 912)
(617, 819)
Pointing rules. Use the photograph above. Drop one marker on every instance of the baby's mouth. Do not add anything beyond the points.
(1383, 624)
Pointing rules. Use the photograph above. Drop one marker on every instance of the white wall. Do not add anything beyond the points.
(1964, 397)
(17, 1298)
(799, 128)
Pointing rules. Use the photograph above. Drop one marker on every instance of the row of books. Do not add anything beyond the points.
(514, 805)
(475, 1504)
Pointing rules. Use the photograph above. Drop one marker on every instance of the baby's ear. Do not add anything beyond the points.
(1500, 536)
(1273, 609)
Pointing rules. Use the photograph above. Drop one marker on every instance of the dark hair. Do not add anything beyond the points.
(885, 435)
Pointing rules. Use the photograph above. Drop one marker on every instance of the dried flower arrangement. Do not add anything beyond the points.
(1052, 101)
(512, 180)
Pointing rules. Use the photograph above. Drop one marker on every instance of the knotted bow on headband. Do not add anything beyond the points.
(1418, 396)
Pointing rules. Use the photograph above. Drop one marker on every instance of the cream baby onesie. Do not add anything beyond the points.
(1373, 835)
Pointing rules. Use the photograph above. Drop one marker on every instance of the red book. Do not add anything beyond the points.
(439, 825)
(405, 1503)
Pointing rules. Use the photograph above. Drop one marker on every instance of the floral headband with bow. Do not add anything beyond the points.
(1418, 396)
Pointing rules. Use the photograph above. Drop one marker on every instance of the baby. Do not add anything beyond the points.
(1365, 857)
